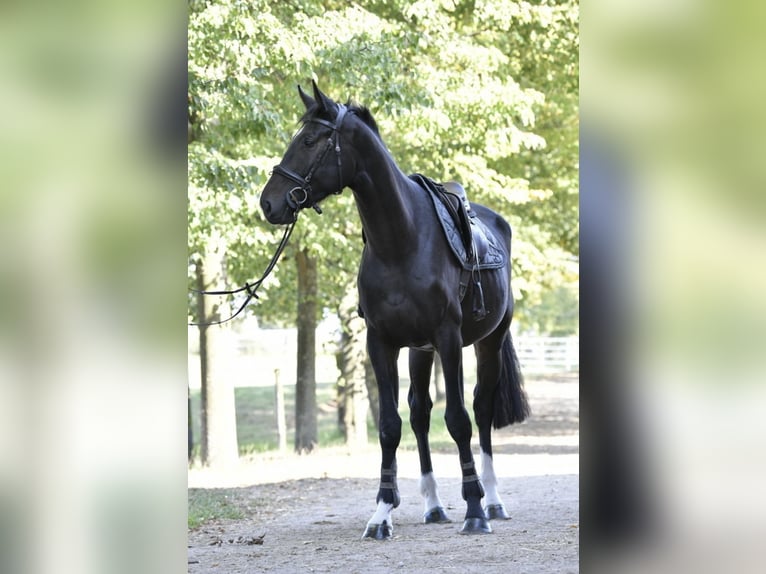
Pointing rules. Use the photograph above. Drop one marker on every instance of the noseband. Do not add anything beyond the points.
(300, 196)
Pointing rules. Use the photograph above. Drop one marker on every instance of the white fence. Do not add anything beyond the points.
(548, 354)
(254, 356)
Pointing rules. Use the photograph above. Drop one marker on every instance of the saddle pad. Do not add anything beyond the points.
(494, 258)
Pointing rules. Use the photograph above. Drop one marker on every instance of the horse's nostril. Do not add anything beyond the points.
(266, 207)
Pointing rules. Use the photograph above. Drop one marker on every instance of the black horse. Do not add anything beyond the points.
(413, 292)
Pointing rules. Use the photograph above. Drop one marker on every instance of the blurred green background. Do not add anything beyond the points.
(94, 254)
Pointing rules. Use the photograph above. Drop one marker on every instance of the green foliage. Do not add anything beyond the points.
(483, 92)
(557, 314)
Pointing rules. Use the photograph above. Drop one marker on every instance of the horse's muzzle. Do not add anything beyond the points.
(277, 217)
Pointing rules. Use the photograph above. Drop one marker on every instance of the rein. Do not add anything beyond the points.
(251, 288)
(298, 202)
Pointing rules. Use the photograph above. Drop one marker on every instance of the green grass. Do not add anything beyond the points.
(256, 422)
(438, 436)
(206, 504)
(256, 419)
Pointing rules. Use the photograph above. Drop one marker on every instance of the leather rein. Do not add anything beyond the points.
(296, 203)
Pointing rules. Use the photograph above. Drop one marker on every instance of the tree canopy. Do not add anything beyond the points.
(483, 92)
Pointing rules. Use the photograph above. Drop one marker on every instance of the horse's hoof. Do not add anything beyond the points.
(378, 531)
(436, 516)
(476, 526)
(497, 512)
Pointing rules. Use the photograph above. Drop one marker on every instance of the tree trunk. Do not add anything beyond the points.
(189, 428)
(219, 426)
(306, 435)
(203, 358)
(351, 386)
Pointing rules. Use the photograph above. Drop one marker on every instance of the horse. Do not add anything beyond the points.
(413, 293)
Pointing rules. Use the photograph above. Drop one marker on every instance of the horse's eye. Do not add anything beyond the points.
(309, 141)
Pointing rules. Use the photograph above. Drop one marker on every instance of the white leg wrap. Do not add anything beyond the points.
(382, 514)
(429, 491)
(489, 480)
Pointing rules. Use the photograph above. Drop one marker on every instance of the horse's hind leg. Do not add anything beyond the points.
(499, 400)
(459, 427)
(420, 420)
(383, 358)
(489, 362)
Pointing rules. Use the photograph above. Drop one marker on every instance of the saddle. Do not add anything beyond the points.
(472, 243)
(473, 232)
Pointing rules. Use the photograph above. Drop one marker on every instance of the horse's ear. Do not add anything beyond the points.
(308, 101)
(324, 102)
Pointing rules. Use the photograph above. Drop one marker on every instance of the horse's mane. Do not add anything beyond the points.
(361, 112)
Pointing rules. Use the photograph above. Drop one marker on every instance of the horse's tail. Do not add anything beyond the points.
(510, 404)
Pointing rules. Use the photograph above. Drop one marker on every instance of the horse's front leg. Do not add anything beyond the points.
(459, 427)
(420, 420)
(383, 358)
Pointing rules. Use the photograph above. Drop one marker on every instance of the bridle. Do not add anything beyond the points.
(300, 196)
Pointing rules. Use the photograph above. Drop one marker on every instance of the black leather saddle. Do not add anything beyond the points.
(473, 243)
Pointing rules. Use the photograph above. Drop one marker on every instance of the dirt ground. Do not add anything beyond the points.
(307, 514)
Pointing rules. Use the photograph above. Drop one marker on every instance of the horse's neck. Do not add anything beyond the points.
(381, 193)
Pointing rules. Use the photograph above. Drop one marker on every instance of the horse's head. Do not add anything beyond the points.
(312, 166)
